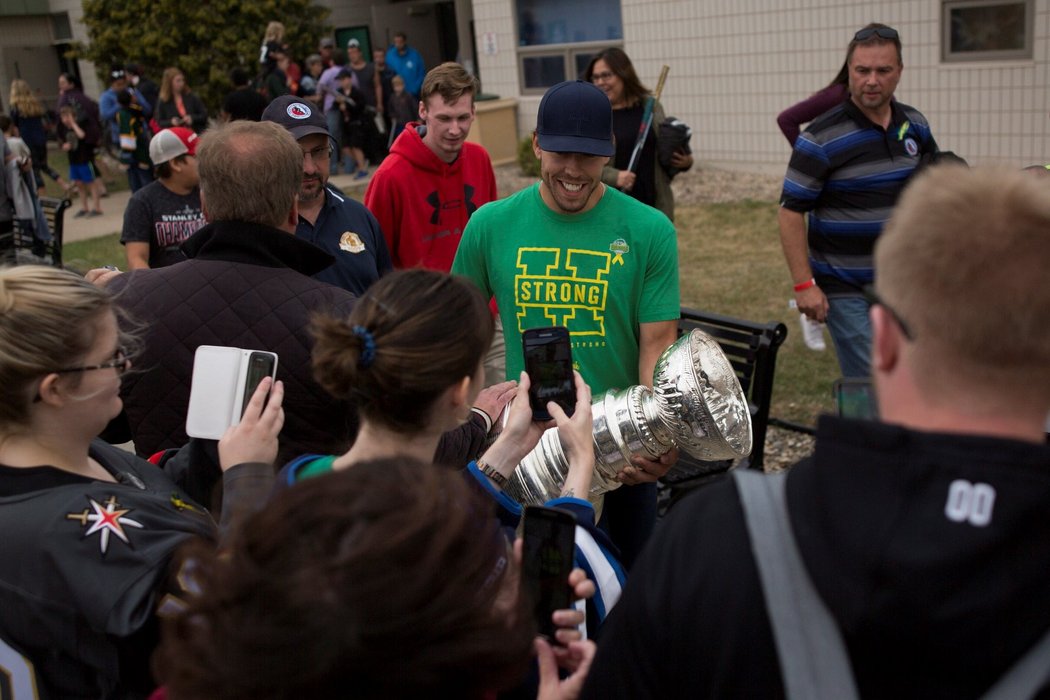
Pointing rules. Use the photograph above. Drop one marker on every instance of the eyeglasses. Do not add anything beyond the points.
(119, 362)
(319, 153)
(873, 299)
(883, 32)
(607, 75)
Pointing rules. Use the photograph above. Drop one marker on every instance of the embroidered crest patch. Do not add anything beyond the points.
(351, 243)
(105, 520)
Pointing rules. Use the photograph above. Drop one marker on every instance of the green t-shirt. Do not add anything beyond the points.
(600, 273)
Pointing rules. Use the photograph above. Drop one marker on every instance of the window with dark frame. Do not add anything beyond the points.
(987, 30)
(556, 39)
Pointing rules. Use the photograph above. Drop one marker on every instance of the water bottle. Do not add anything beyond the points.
(812, 331)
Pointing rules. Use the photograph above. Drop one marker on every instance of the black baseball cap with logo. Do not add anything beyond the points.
(298, 116)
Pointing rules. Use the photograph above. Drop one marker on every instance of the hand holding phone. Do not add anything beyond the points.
(549, 548)
(548, 362)
(224, 380)
(254, 438)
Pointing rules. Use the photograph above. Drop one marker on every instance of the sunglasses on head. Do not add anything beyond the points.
(883, 32)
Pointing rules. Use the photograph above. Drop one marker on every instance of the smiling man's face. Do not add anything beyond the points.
(571, 182)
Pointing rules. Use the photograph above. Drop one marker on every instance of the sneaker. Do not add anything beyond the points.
(361, 175)
(81, 214)
(94, 213)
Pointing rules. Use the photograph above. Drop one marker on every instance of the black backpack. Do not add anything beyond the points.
(674, 136)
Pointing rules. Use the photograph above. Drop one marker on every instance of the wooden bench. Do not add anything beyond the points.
(20, 247)
(752, 350)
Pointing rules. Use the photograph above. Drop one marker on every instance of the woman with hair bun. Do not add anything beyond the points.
(410, 356)
(90, 529)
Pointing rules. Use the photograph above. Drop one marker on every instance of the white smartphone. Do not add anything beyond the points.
(224, 380)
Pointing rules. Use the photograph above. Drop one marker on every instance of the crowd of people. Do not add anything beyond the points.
(350, 534)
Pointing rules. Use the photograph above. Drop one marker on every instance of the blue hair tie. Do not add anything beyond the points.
(368, 352)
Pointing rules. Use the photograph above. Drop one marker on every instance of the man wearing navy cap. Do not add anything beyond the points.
(330, 220)
(570, 251)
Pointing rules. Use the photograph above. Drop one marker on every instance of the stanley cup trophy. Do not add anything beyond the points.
(696, 404)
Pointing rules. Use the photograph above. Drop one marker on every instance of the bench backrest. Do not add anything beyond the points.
(21, 247)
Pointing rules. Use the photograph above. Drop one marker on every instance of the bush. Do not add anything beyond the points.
(527, 160)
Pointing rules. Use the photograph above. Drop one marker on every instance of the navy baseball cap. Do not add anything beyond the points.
(297, 115)
(575, 117)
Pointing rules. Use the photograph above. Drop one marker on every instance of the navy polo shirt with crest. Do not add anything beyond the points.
(348, 231)
(847, 173)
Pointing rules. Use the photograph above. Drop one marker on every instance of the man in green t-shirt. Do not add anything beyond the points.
(571, 252)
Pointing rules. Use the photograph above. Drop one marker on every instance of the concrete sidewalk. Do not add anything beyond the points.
(112, 219)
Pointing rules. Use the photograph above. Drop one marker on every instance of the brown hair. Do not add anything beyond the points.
(166, 92)
(618, 62)
(46, 322)
(249, 171)
(427, 331)
(389, 579)
(963, 260)
(451, 81)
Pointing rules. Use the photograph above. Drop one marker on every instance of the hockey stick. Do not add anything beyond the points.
(647, 119)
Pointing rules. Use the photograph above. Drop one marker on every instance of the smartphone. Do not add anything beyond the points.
(224, 379)
(855, 397)
(259, 366)
(548, 362)
(550, 543)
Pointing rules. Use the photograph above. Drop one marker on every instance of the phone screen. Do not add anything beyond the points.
(550, 541)
(548, 362)
(856, 399)
(260, 365)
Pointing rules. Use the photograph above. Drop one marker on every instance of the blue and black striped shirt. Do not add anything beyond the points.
(847, 173)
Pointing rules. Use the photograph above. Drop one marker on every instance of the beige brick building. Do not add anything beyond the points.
(976, 68)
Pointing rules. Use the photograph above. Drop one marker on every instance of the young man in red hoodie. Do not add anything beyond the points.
(433, 180)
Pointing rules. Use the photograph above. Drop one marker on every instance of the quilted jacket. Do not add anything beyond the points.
(244, 285)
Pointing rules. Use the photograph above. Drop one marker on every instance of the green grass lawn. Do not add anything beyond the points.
(95, 252)
(730, 262)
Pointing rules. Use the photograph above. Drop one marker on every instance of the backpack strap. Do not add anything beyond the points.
(1026, 677)
(813, 658)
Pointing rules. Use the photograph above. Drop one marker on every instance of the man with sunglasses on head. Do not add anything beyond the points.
(846, 171)
(329, 219)
(909, 557)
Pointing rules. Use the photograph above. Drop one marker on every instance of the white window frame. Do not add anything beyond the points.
(949, 56)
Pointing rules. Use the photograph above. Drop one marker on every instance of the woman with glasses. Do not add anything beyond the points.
(612, 71)
(90, 529)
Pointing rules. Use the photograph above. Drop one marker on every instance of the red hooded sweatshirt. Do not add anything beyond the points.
(423, 203)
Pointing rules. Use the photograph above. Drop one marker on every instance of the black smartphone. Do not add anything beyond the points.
(550, 543)
(260, 365)
(548, 362)
(855, 397)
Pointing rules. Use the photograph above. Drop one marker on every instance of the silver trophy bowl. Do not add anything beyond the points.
(696, 404)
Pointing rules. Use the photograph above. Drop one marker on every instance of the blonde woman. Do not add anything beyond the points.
(28, 114)
(92, 527)
(178, 106)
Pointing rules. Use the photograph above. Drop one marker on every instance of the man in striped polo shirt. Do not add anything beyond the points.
(846, 171)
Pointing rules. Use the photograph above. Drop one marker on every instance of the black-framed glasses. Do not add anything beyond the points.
(884, 32)
(873, 298)
(119, 362)
(607, 75)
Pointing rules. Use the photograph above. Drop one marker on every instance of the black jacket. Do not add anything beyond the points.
(244, 285)
(935, 597)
